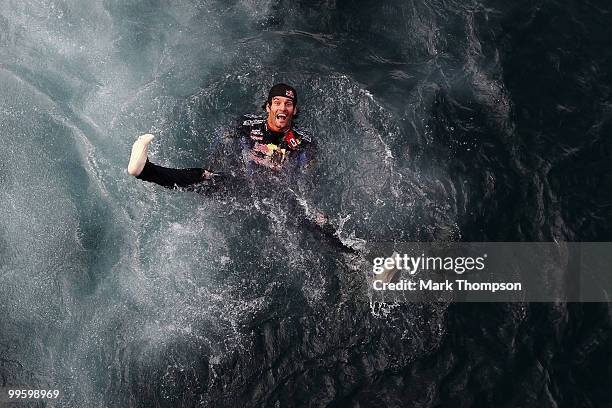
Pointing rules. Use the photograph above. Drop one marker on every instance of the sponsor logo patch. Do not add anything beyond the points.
(253, 122)
(256, 134)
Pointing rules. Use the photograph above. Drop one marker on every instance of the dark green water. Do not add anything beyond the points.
(441, 120)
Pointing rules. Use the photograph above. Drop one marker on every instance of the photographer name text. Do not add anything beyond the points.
(447, 285)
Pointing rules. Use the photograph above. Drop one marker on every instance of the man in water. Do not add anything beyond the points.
(271, 143)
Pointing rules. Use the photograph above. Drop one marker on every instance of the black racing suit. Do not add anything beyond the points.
(260, 161)
(258, 147)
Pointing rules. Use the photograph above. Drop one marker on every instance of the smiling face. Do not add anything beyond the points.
(280, 113)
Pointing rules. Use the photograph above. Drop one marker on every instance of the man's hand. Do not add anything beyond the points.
(320, 219)
(209, 175)
(146, 138)
(138, 158)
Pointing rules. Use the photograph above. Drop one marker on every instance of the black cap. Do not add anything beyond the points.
(282, 90)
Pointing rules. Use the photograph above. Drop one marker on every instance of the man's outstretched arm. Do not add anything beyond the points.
(141, 168)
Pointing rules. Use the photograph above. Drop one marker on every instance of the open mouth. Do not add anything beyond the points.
(281, 116)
